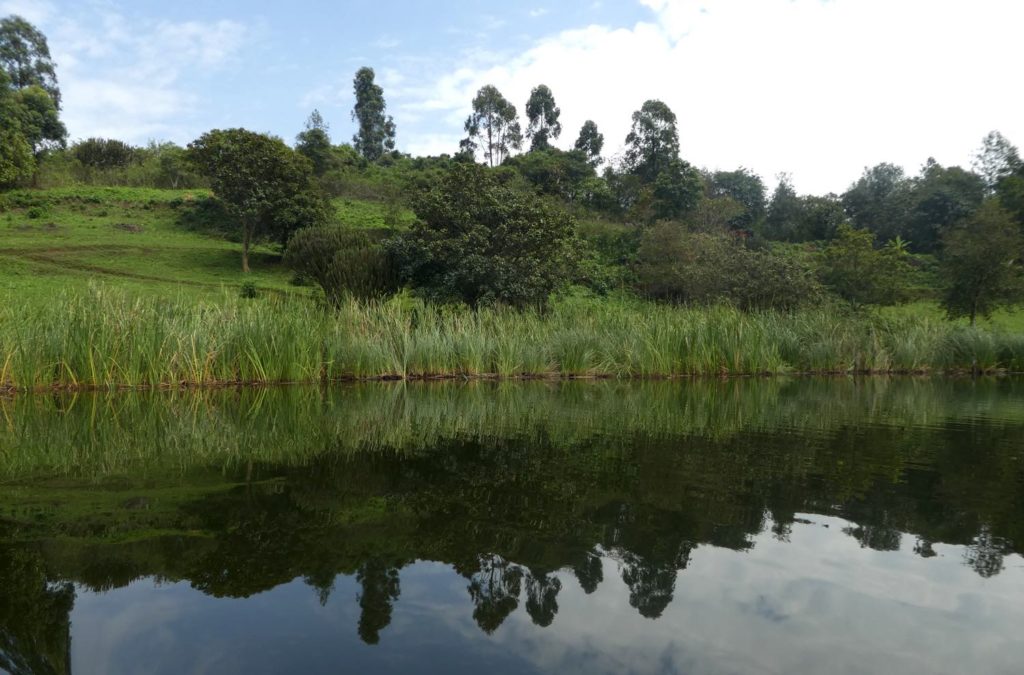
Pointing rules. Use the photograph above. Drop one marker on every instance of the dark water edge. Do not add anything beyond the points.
(764, 525)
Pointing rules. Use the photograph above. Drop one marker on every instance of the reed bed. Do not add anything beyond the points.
(100, 338)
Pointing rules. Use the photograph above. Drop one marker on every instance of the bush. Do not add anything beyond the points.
(342, 262)
(248, 290)
(103, 153)
(676, 265)
(483, 242)
(861, 274)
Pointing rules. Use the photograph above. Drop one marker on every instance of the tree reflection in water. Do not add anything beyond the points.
(515, 489)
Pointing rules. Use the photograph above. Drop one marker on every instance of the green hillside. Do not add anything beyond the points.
(141, 239)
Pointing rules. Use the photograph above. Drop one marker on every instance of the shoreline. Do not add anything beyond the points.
(952, 374)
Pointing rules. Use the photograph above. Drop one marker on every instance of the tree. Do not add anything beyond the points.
(676, 191)
(784, 211)
(103, 153)
(860, 273)
(40, 119)
(996, 159)
(381, 587)
(676, 265)
(938, 199)
(376, 133)
(746, 188)
(542, 115)
(482, 242)
(264, 184)
(16, 160)
(878, 201)
(25, 57)
(314, 143)
(590, 142)
(554, 172)
(797, 218)
(653, 143)
(981, 260)
(495, 123)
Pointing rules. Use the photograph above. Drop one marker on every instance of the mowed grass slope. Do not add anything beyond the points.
(140, 239)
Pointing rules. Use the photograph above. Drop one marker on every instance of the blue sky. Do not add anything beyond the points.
(816, 88)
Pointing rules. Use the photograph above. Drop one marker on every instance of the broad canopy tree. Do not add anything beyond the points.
(25, 57)
(29, 100)
(16, 160)
(494, 124)
(265, 185)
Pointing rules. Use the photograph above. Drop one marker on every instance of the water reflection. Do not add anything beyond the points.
(538, 497)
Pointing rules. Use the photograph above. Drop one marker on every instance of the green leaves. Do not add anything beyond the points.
(494, 122)
(543, 115)
(264, 184)
(376, 133)
(482, 242)
(858, 272)
(981, 261)
(25, 57)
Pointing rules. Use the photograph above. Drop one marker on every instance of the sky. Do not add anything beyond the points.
(818, 89)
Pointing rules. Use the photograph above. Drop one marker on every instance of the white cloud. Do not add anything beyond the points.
(538, 12)
(34, 11)
(818, 89)
(126, 79)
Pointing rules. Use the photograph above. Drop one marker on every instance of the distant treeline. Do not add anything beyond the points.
(535, 219)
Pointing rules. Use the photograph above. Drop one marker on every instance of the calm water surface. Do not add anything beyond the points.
(763, 526)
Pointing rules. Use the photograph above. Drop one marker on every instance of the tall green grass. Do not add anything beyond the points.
(104, 338)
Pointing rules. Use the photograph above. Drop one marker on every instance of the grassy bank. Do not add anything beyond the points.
(105, 338)
(150, 241)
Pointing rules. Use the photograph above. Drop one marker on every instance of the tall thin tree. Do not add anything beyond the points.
(542, 115)
(376, 132)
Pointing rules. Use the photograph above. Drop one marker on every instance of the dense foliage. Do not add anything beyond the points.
(341, 262)
(702, 267)
(481, 241)
(265, 185)
(649, 222)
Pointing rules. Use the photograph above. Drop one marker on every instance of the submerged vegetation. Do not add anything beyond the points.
(107, 338)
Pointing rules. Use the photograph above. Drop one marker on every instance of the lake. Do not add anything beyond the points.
(745, 526)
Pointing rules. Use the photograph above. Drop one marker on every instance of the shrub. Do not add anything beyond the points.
(103, 153)
(861, 274)
(248, 290)
(703, 268)
(481, 241)
(341, 262)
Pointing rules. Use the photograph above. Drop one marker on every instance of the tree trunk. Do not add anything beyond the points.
(246, 239)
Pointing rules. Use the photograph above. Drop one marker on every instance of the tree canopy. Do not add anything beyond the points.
(481, 242)
(494, 124)
(25, 57)
(542, 116)
(263, 183)
(590, 142)
(981, 261)
(314, 143)
(653, 143)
